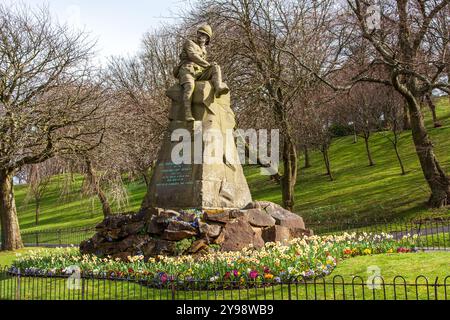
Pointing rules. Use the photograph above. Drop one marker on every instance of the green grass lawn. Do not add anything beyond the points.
(431, 266)
(7, 257)
(360, 192)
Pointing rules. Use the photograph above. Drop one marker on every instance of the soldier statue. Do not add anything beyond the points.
(193, 67)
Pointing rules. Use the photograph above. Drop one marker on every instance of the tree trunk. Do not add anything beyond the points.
(289, 177)
(435, 176)
(399, 159)
(369, 154)
(38, 207)
(438, 181)
(432, 106)
(106, 208)
(307, 159)
(10, 238)
(146, 177)
(326, 159)
(406, 120)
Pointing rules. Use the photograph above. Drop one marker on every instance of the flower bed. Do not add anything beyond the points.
(300, 258)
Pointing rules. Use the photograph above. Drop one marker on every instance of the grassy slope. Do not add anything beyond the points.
(359, 191)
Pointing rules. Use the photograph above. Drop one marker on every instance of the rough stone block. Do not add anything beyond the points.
(210, 230)
(259, 218)
(276, 233)
(237, 235)
(284, 217)
(258, 241)
(198, 246)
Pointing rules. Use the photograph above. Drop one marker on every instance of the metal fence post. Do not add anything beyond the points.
(59, 237)
(173, 291)
(18, 286)
(289, 291)
(436, 289)
(82, 288)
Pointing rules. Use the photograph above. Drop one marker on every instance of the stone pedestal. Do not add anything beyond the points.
(199, 185)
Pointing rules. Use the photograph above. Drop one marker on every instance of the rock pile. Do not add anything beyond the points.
(156, 232)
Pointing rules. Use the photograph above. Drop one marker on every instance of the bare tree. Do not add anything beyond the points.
(392, 117)
(48, 100)
(141, 106)
(362, 103)
(320, 129)
(402, 45)
(38, 178)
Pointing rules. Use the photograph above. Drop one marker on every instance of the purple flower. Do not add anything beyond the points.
(253, 274)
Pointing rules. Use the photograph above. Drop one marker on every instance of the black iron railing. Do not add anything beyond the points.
(59, 237)
(432, 234)
(15, 286)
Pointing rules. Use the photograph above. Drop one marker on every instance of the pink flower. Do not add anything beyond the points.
(253, 274)
(163, 278)
(236, 273)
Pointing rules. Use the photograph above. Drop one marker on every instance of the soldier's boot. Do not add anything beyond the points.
(188, 90)
(188, 111)
(220, 88)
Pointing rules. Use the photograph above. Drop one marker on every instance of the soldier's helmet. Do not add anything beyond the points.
(206, 29)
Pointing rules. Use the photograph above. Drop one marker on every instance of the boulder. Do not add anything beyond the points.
(300, 233)
(220, 239)
(166, 216)
(282, 216)
(178, 235)
(253, 205)
(237, 235)
(258, 241)
(210, 230)
(133, 241)
(259, 218)
(175, 225)
(198, 246)
(131, 228)
(234, 214)
(223, 217)
(110, 234)
(155, 228)
(276, 233)
(164, 247)
(114, 222)
(156, 247)
(149, 248)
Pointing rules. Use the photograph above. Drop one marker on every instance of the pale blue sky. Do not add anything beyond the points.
(117, 25)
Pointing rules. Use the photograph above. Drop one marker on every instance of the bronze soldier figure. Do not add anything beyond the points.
(194, 67)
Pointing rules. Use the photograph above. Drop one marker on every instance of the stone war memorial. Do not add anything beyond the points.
(195, 204)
